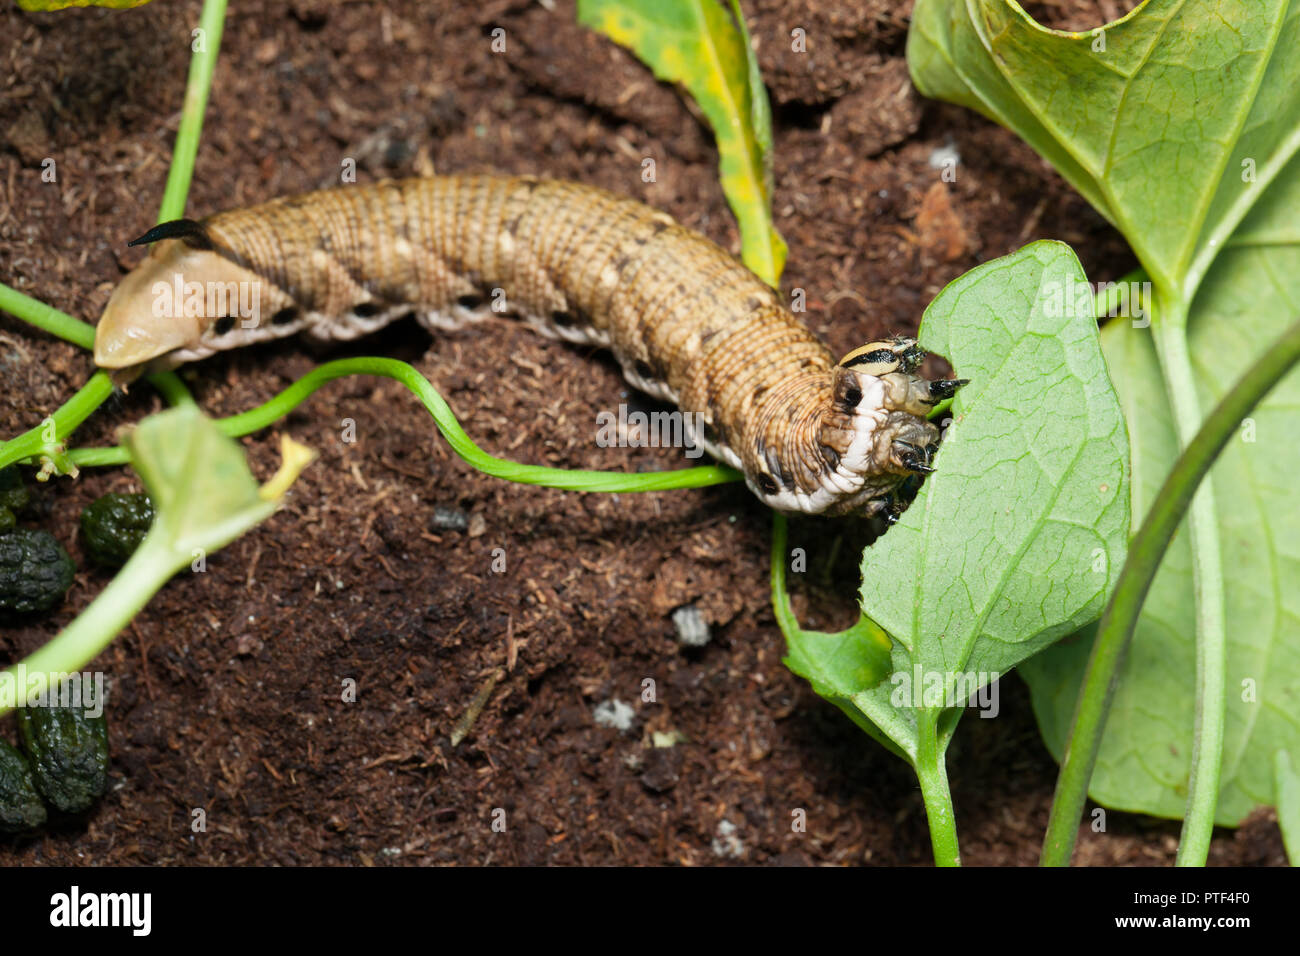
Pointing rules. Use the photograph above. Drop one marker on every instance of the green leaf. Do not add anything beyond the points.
(839, 665)
(1180, 123)
(695, 43)
(1251, 294)
(1171, 121)
(1018, 536)
(198, 480)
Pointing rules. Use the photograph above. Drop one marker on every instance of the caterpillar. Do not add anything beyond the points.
(686, 321)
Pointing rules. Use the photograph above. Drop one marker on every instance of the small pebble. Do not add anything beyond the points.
(667, 739)
(726, 843)
(692, 628)
(614, 713)
(247, 645)
(945, 156)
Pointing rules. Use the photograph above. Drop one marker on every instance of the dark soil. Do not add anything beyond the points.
(226, 692)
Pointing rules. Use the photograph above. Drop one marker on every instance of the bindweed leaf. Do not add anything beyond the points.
(1180, 123)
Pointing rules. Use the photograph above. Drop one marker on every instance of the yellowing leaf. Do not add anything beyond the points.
(695, 43)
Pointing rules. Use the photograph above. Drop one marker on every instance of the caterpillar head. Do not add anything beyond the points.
(899, 354)
(875, 433)
(170, 307)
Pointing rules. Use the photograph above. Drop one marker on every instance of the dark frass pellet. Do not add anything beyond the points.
(113, 526)
(35, 571)
(69, 754)
(21, 808)
(14, 497)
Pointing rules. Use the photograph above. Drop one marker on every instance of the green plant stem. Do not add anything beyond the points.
(932, 773)
(289, 399)
(171, 388)
(46, 317)
(927, 760)
(202, 65)
(180, 174)
(781, 609)
(94, 628)
(1120, 617)
(1207, 581)
(33, 444)
(939, 410)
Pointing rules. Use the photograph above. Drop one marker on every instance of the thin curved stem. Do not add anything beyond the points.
(932, 772)
(1211, 625)
(272, 411)
(1145, 554)
(47, 317)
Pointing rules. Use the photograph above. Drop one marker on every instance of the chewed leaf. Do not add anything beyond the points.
(1018, 536)
(842, 664)
(198, 480)
(695, 43)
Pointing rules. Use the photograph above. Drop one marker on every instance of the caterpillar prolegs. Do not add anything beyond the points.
(686, 321)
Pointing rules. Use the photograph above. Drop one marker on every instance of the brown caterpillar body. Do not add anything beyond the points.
(686, 321)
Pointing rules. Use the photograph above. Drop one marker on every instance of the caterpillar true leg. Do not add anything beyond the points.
(686, 321)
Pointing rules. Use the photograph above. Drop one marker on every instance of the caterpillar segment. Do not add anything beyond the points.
(685, 320)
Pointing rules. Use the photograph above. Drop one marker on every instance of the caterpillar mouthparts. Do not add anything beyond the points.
(687, 322)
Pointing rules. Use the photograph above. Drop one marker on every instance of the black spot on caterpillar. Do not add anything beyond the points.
(687, 322)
